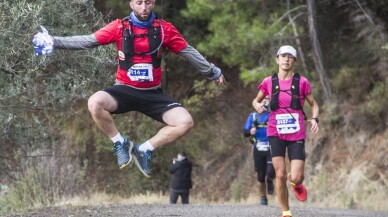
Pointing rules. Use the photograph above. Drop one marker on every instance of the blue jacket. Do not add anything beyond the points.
(260, 122)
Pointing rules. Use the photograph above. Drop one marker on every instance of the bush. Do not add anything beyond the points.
(39, 94)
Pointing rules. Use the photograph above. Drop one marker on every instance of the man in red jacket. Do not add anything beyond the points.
(139, 39)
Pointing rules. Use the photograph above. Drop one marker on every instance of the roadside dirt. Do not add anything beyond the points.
(194, 211)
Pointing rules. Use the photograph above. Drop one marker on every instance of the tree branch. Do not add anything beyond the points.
(366, 14)
(285, 15)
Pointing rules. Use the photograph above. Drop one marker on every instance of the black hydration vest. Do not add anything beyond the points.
(295, 94)
(127, 46)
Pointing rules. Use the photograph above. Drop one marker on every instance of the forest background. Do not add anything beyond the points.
(50, 149)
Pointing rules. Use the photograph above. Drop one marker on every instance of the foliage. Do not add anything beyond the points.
(49, 137)
(376, 103)
(242, 33)
(44, 183)
(256, 75)
(39, 94)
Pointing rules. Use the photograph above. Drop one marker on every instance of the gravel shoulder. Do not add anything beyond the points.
(194, 210)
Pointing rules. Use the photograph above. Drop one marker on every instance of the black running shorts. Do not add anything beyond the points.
(295, 149)
(152, 103)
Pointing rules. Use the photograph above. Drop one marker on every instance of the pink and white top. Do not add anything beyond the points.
(281, 122)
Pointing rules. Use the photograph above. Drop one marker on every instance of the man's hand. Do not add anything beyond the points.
(220, 80)
(43, 42)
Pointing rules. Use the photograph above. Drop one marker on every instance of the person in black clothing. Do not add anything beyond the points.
(181, 181)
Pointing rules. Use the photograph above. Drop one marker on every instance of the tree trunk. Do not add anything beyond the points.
(297, 40)
(317, 53)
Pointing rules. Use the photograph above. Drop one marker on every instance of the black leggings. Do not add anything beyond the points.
(263, 165)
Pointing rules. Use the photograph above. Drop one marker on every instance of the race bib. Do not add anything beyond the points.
(141, 72)
(287, 123)
(262, 146)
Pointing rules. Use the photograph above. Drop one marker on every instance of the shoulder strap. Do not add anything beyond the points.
(127, 41)
(127, 46)
(155, 41)
(295, 101)
(274, 103)
(262, 120)
(254, 119)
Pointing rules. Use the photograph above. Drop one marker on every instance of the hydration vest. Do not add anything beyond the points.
(295, 94)
(127, 46)
(259, 123)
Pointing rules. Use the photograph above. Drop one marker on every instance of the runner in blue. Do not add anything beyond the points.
(255, 128)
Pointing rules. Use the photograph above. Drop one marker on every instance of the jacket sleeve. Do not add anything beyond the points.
(174, 167)
(248, 125)
(79, 42)
(200, 63)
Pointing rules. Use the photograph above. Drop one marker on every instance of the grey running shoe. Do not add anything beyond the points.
(142, 160)
(263, 200)
(122, 151)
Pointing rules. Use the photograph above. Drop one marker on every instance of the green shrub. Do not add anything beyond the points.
(39, 94)
(377, 103)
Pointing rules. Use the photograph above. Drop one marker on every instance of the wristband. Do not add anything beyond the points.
(316, 120)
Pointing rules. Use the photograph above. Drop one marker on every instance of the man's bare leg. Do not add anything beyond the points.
(100, 105)
(179, 122)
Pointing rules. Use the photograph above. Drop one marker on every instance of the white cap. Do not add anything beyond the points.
(287, 49)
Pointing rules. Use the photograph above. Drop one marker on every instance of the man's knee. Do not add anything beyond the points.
(92, 104)
(100, 101)
(184, 123)
(187, 124)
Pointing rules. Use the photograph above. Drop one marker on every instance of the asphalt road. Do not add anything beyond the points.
(193, 210)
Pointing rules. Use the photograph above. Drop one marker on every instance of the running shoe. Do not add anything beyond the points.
(263, 200)
(270, 186)
(122, 151)
(299, 190)
(142, 160)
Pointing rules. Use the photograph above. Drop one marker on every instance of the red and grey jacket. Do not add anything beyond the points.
(113, 33)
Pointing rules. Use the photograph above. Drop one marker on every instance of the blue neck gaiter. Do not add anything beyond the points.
(142, 24)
